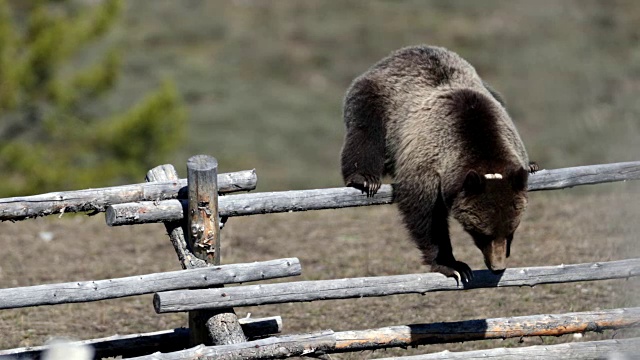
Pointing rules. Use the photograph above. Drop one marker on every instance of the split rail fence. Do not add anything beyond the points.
(193, 215)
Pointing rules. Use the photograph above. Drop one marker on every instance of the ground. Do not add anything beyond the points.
(560, 227)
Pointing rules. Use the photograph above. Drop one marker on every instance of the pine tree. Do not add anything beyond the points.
(49, 139)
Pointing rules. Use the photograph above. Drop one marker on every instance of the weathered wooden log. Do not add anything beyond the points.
(584, 175)
(223, 327)
(174, 228)
(269, 348)
(257, 203)
(418, 334)
(483, 329)
(589, 350)
(147, 343)
(334, 198)
(301, 291)
(145, 212)
(219, 327)
(204, 232)
(96, 200)
(85, 291)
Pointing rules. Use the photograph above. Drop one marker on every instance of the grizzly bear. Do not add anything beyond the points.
(423, 116)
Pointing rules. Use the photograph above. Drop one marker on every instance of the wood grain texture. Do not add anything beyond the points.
(303, 291)
(584, 175)
(202, 219)
(221, 326)
(145, 212)
(86, 291)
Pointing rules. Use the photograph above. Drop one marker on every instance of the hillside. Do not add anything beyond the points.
(264, 81)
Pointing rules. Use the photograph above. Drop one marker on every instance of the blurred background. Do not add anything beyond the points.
(96, 92)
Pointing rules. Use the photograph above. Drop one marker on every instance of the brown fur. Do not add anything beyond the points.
(424, 116)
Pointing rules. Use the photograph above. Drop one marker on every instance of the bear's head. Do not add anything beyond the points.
(490, 207)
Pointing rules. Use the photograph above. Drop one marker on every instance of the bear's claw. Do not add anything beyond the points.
(456, 269)
(533, 167)
(368, 184)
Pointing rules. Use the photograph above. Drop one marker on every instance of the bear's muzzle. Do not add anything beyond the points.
(495, 255)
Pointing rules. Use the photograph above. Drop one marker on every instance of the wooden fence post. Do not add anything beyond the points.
(207, 327)
(175, 228)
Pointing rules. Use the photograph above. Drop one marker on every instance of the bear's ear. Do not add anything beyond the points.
(519, 179)
(473, 183)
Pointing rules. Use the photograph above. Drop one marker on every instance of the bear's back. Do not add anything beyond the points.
(424, 68)
(440, 112)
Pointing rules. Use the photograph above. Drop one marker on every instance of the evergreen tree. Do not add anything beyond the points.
(49, 139)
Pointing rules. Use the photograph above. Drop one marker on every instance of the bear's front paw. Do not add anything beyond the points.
(455, 269)
(368, 184)
(533, 167)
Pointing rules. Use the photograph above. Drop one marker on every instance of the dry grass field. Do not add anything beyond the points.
(560, 227)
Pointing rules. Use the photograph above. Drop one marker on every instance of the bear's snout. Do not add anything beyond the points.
(495, 255)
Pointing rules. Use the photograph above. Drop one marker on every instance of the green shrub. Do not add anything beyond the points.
(51, 136)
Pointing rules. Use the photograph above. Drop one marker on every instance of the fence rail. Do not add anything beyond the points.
(602, 349)
(96, 200)
(335, 198)
(85, 291)
(584, 175)
(302, 291)
(485, 329)
(270, 348)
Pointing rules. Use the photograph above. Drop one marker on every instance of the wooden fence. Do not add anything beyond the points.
(216, 333)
